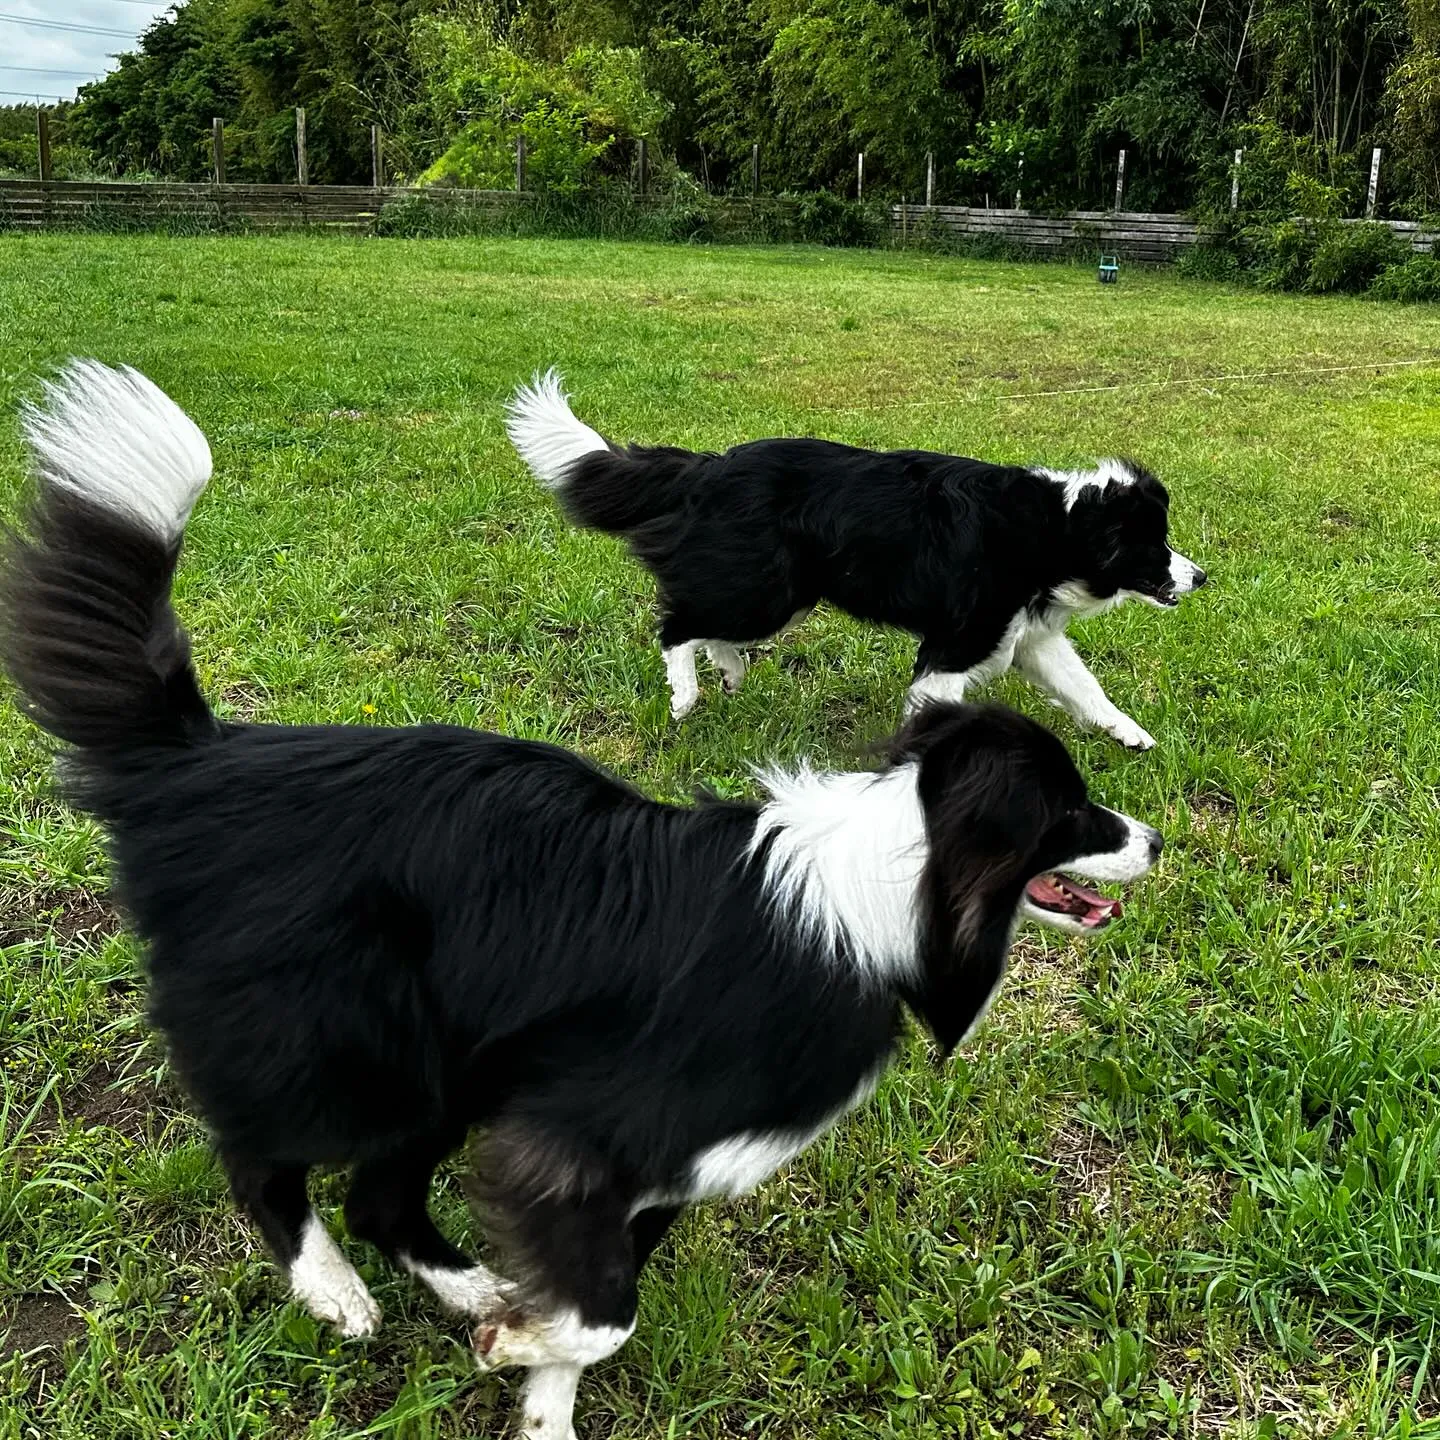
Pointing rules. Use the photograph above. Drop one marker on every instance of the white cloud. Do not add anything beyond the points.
(57, 62)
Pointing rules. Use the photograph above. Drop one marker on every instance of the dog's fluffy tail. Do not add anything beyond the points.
(86, 629)
(601, 487)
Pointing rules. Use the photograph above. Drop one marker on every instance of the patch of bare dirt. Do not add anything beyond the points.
(244, 701)
(69, 915)
(1090, 1172)
(1045, 980)
(38, 1322)
(1213, 813)
(105, 1099)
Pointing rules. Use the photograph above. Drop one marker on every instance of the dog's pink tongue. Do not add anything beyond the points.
(1046, 891)
(1098, 908)
(1061, 892)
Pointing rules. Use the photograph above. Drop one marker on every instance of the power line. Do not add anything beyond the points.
(46, 70)
(65, 25)
(35, 98)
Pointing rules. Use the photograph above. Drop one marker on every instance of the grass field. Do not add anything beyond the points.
(1188, 1178)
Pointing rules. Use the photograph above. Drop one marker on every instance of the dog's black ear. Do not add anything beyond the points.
(931, 722)
(958, 986)
(1099, 522)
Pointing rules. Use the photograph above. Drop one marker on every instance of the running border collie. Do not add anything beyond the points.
(986, 564)
(362, 942)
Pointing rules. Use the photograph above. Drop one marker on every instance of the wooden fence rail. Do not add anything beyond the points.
(61, 204)
(1133, 234)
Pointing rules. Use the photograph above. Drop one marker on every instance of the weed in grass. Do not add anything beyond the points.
(1183, 1183)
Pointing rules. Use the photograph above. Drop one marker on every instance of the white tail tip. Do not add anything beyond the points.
(116, 439)
(545, 432)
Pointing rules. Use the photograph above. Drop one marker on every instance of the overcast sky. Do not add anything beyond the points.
(50, 60)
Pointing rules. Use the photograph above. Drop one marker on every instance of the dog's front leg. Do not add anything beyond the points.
(680, 672)
(947, 671)
(547, 1402)
(1049, 660)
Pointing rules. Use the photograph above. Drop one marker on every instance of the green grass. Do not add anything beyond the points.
(1188, 1178)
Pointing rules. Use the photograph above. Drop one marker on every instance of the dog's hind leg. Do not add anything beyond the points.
(729, 661)
(386, 1205)
(579, 1251)
(321, 1278)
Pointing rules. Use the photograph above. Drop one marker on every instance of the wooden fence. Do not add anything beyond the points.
(1132, 234)
(1135, 235)
(65, 204)
(62, 204)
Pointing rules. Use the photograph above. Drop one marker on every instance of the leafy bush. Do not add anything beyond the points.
(1211, 259)
(1317, 256)
(823, 218)
(1222, 252)
(1284, 175)
(1283, 254)
(1415, 279)
(1349, 257)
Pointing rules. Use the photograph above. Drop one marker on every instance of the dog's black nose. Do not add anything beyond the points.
(1157, 844)
(1200, 578)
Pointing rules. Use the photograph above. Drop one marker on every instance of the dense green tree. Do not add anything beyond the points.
(1036, 95)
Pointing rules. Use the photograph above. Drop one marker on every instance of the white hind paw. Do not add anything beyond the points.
(729, 661)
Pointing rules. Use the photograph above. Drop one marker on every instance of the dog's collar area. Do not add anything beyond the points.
(1061, 894)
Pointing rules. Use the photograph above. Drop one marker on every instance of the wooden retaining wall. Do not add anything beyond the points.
(1131, 234)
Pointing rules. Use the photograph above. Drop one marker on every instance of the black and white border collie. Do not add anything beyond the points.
(986, 564)
(362, 942)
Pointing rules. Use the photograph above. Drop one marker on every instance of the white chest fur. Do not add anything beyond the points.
(738, 1164)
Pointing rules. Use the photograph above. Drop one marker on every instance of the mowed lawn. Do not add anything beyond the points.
(1187, 1179)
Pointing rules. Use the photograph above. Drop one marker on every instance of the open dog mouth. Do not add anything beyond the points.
(1062, 895)
(1160, 594)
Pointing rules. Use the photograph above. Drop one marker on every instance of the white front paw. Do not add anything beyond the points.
(682, 705)
(347, 1305)
(1130, 735)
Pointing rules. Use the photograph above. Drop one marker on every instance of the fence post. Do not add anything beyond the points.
(929, 178)
(1019, 181)
(217, 148)
(377, 157)
(42, 140)
(1235, 181)
(1374, 184)
(755, 170)
(520, 163)
(860, 176)
(644, 166)
(1120, 185)
(302, 162)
